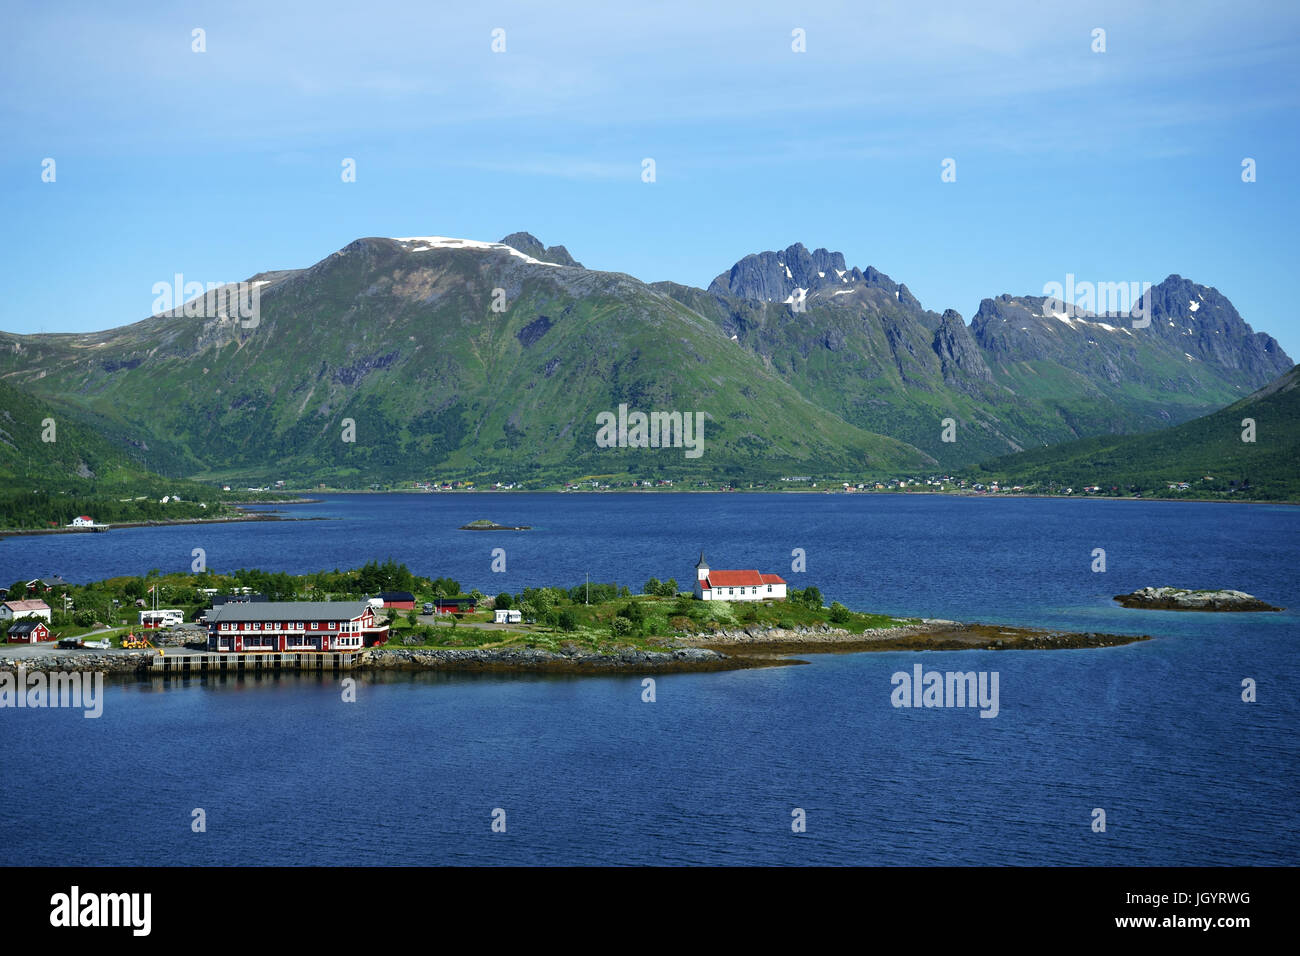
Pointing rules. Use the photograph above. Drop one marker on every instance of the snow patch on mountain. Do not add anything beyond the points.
(429, 243)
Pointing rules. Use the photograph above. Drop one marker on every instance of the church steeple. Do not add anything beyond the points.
(701, 569)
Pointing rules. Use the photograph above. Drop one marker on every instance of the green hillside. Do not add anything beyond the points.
(48, 483)
(404, 343)
(399, 359)
(1208, 453)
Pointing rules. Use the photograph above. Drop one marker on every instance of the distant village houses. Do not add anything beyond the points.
(46, 585)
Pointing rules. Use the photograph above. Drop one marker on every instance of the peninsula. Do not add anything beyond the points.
(588, 628)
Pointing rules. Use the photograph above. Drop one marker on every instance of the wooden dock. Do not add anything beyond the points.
(187, 664)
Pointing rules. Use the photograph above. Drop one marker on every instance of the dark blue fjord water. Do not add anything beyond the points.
(1155, 733)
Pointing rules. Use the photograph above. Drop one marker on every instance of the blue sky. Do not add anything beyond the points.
(1115, 166)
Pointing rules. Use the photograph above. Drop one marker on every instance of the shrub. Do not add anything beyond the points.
(809, 597)
(567, 620)
(651, 587)
(839, 613)
(503, 601)
(620, 627)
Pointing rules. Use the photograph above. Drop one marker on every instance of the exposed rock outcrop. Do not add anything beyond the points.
(1180, 599)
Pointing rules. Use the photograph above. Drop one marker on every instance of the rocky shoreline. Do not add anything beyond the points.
(925, 635)
(568, 660)
(1181, 599)
(716, 651)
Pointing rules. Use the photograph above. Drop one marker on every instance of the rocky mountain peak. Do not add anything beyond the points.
(773, 276)
(960, 359)
(530, 245)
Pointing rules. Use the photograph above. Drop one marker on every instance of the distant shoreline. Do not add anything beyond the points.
(795, 491)
(160, 523)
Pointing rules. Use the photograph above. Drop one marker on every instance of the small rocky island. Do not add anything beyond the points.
(1181, 599)
(482, 524)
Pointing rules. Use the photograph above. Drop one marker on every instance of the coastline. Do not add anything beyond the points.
(161, 523)
(723, 650)
(793, 491)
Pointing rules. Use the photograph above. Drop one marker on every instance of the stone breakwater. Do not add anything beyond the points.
(112, 663)
(569, 659)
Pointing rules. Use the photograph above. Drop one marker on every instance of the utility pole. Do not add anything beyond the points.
(588, 574)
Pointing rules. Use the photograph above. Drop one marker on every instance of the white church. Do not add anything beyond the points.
(711, 585)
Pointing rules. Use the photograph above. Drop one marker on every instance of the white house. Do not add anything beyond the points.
(711, 585)
(11, 610)
(82, 521)
(507, 616)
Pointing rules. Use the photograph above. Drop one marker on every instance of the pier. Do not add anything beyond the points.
(184, 663)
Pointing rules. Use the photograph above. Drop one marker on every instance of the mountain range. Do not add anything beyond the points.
(396, 359)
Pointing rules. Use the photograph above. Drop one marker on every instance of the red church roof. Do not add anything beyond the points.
(739, 579)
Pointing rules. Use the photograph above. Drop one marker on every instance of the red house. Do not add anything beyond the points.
(456, 605)
(401, 600)
(28, 631)
(294, 626)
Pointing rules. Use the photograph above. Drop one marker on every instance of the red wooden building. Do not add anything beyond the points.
(400, 600)
(293, 626)
(455, 605)
(28, 631)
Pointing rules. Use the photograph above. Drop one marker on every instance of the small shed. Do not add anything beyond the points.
(509, 616)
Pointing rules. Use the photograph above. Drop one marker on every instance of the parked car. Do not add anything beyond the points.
(428, 607)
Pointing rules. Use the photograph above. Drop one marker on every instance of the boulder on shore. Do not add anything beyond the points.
(1181, 599)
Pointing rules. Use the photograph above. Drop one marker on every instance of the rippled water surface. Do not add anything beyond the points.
(1155, 733)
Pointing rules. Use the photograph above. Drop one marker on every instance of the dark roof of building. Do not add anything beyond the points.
(25, 626)
(289, 611)
(397, 595)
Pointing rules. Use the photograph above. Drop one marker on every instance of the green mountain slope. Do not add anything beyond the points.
(1267, 468)
(49, 482)
(401, 339)
(395, 359)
